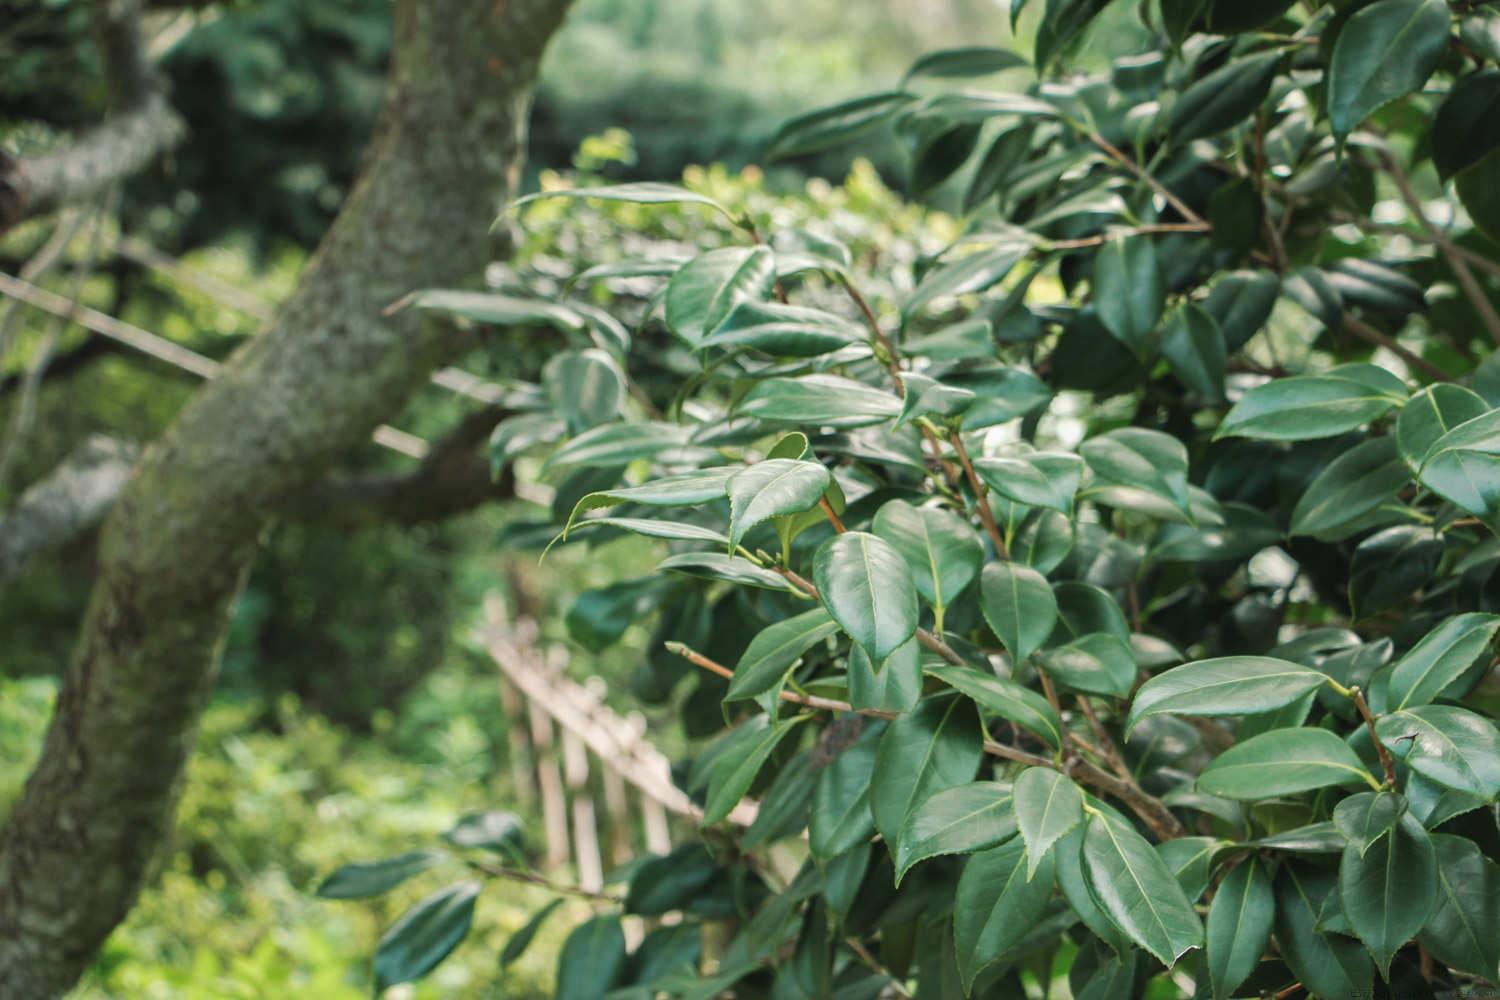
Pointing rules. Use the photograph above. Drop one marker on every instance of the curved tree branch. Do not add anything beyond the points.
(175, 549)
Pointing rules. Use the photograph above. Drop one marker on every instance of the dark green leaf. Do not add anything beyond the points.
(641, 192)
(718, 566)
(371, 878)
(1242, 301)
(620, 444)
(940, 548)
(1390, 565)
(497, 309)
(1430, 414)
(841, 817)
(1352, 485)
(1444, 655)
(827, 400)
(1137, 890)
(735, 772)
(1036, 479)
(835, 125)
(1464, 929)
(702, 293)
(1227, 685)
(968, 274)
(1005, 698)
(1048, 806)
(1224, 98)
(687, 489)
(425, 935)
(1367, 816)
(1128, 290)
(1239, 926)
(1328, 965)
(585, 387)
(662, 883)
(784, 331)
(892, 686)
(1464, 466)
(867, 588)
(516, 946)
(958, 820)
(1018, 604)
(1194, 346)
(774, 651)
(1282, 762)
(936, 746)
(996, 905)
(976, 60)
(1388, 890)
(1306, 407)
(592, 960)
(1098, 663)
(770, 488)
(1141, 460)
(1385, 51)
(1451, 746)
(1061, 26)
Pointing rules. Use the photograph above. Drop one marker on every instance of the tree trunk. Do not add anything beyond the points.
(175, 548)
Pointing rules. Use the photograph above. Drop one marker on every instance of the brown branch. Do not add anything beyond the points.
(1386, 763)
(1370, 335)
(531, 878)
(1139, 171)
(833, 518)
(1150, 809)
(1476, 295)
(980, 499)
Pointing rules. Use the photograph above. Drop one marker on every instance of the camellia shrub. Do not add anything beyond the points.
(1112, 598)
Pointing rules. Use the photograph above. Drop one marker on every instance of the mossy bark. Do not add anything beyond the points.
(176, 546)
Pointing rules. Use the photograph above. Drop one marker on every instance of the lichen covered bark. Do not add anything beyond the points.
(177, 544)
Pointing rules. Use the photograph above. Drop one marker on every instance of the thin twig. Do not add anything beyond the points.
(530, 878)
(1386, 763)
(1476, 295)
(1151, 229)
(1111, 753)
(1370, 335)
(1142, 173)
(856, 946)
(833, 518)
(980, 499)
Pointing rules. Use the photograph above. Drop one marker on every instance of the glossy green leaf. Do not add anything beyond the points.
(841, 817)
(1388, 890)
(734, 772)
(783, 330)
(958, 820)
(1328, 965)
(935, 747)
(1385, 51)
(1194, 346)
(770, 488)
(1352, 485)
(1463, 931)
(518, 942)
(1038, 479)
(940, 548)
(718, 566)
(1224, 98)
(1241, 302)
(662, 883)
(1139, 459)
(1048, 806)
(1452, 746)
(1306, 407)
(585, 387)
(1005, 698)
(867, 588)
(835, 124)
(1061, 26)
(641, 193)
(703, 292)
(774, 651)
(968, 274)
(1465, 129)
(892, 686)
(828, 400)
(1226, 685)
(620, 444)
(592, 960)
(1239, 926)
(496, 309)
(1443, 656)
(1128, 290)
(1282, 762)
(1430, 414)
(1136, 889)
(1390, 565)
(1367, 816)
(1098, 663)
(927, 397)
(974, 60)
(996, 905)
(1464, 465)
(425, 935)
(687, 489)
(372, 878)
(1018, 604)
